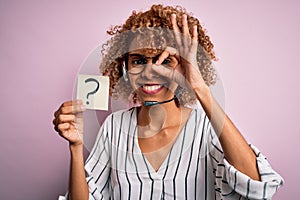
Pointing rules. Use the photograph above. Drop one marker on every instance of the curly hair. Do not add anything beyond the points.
(153, 26)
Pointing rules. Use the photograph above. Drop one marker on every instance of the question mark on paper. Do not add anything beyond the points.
(94, 91)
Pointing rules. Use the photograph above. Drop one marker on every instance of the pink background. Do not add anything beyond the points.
(43, 43)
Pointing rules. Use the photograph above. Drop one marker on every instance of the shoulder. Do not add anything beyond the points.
(196, 112)
(120, 113)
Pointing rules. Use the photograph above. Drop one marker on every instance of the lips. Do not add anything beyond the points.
(151, 88)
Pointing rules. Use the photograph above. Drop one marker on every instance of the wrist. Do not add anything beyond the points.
(76, 148)
(202, 93)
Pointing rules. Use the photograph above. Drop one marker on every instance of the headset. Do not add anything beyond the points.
(124, 71)
(152, 103)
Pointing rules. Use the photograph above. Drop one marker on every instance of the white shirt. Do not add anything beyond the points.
(195, 168)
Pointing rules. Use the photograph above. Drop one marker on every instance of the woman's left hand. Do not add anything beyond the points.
(186, 73)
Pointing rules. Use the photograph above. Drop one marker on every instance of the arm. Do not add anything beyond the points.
(68, 123)
(263, 181)
(235, 147)
(78, 188)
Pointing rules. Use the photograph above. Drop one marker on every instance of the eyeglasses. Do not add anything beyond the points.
(138, 62)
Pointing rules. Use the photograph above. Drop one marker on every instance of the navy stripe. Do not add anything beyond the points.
(213, 158)
(112, 132)
(191, 155)
(216, 146)
(225, 181)
(112, 139)
(221, 165)
(89, 180)
(179, 159)
(198, 159)
(136, 169)
(100, 153)
(102, 172)
(105, 185)
(267, 174)
(164, 176)
(265, 188)
(94, 192)
(127, 150)
(92, 153)
(120, 130)
(230, 193)
(152, 185)
(205, 166)
(258, 154)
(235, 180)
(218, 190)
(248, 188)
(205, 177)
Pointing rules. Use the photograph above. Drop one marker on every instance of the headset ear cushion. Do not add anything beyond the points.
(124, 71)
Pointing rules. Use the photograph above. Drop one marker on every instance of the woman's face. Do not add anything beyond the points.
(147, 84)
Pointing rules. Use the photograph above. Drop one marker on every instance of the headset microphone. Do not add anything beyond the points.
(152, 103)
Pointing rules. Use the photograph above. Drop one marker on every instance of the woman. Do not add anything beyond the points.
(165, 148)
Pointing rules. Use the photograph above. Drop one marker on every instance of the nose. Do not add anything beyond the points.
(148, 73)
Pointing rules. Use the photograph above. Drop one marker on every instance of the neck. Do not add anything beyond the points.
(159, 116)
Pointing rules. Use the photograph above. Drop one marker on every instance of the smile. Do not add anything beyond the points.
(151, 88)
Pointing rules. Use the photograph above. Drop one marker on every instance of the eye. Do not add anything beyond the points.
(139, 61)
(167, 61)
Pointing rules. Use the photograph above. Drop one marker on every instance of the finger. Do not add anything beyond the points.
(56, 113)
(72, 102)
(177, 32)
(54, 121)
(62, 119)
(194, 45)
(166, 53)
(185, 30)
(66, 118)
(63, 127)
(73, 109)
(56, 129)
(174, 23)
(68, 103)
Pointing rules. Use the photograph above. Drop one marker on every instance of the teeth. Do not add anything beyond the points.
(151, 87)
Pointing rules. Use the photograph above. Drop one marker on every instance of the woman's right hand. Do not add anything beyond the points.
(68, 121)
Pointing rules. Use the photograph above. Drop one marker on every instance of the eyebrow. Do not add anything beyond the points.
(147, 57)
(135, 54)
(143, 56)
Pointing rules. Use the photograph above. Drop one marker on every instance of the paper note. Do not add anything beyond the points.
(93, 91)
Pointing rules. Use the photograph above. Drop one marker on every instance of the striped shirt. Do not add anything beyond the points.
(195, 167)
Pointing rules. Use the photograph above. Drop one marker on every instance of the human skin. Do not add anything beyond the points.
(69, 124)
(68, 119)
